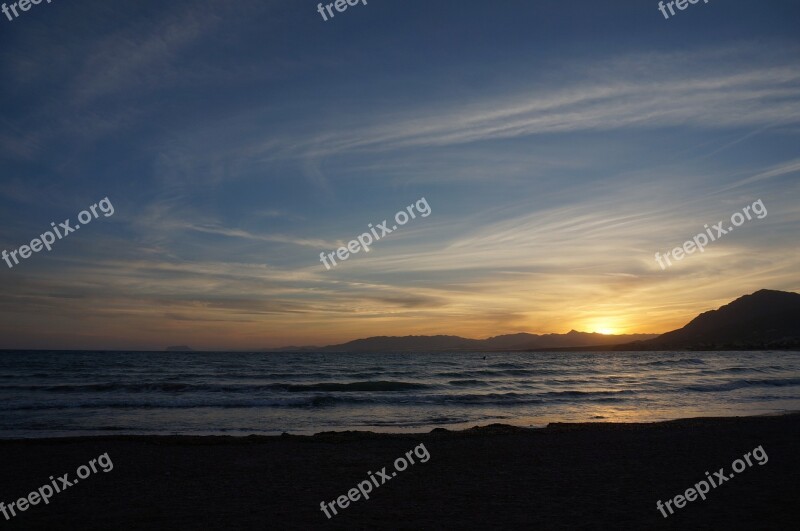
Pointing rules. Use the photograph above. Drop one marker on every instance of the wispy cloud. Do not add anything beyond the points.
(278, 238)
(761, 96)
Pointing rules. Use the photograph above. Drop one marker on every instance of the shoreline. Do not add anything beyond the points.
(389, 431)
(368, 433)
(566, 475)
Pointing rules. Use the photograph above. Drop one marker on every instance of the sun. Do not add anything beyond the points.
(606, 331)
(608, 326)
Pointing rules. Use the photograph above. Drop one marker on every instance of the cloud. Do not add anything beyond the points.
(277, 238)
(779, 170)
(604, 98)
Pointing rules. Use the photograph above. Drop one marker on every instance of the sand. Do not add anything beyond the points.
(567, 476)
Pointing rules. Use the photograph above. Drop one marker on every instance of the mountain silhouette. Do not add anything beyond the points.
(520, 341)
(766, 319)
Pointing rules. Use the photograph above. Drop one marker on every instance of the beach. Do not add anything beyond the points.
(565, 476)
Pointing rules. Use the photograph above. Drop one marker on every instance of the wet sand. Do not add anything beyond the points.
(567, 476)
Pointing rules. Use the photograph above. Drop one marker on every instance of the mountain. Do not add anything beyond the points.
(506, 342)
(407, 343)
(766, 319)
(547, 341)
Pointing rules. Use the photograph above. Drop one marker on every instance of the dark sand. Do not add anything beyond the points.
(589, 476)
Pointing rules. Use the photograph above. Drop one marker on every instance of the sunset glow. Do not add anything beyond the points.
(551, 187)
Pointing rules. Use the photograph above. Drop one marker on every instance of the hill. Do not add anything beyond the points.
(520, 341)
(766, 319)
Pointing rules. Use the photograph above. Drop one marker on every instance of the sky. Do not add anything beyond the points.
(558, 144)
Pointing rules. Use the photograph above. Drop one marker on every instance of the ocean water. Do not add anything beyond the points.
(45, 394)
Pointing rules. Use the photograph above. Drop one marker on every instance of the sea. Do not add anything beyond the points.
(60, 393)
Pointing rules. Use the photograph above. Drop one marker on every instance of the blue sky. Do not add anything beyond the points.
(559, 145)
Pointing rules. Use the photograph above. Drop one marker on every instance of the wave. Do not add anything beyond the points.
(506, 366)
(578, 381)
(739, 370)
(377, 386)
(168, 387)
(468, 383)
(316, 401)
(576, 394)
(477, 373)
(661, 363)
(739, 384)
(170, 404)
(730, 370)
(131, 387)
